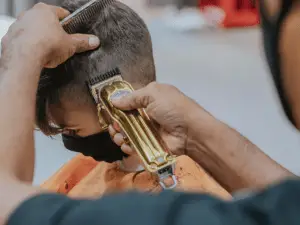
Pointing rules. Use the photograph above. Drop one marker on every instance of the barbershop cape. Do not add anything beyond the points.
(278, 205)
(83, 177)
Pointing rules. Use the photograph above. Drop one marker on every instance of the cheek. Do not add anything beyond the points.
(90, 125)
(290, 60)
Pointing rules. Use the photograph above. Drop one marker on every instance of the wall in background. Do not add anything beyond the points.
(15, 7)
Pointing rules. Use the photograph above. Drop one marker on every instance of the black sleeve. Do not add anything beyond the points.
(276, 206)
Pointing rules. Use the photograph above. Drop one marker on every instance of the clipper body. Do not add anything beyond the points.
(138, 128)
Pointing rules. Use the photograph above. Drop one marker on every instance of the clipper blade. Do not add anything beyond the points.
(104, 77)
(95, 84)
(73, 22)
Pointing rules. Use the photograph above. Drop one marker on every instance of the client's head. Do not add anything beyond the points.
(63, 100)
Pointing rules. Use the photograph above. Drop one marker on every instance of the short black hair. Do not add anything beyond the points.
(125, 43)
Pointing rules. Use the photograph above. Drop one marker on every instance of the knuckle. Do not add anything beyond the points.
(53, 63)
(153, 88)
(142, 100)
(146, 100)
(170, 87)
(21, 15)
(4, 40)
(153, 85)
(2, 49)
(71, 51)
(40, 5)
(136, 101)
(162, 87)
(81, 45)
(11, 29)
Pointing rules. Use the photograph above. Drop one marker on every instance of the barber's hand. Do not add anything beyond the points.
(38, 34)
(169, 108)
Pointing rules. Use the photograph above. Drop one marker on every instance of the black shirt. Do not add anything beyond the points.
(277, 205)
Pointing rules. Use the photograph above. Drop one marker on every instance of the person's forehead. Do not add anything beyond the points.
(68, 114)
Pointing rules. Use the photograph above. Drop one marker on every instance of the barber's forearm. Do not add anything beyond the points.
(234, 161)
(18, 83)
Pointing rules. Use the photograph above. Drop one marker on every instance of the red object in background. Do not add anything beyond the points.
(237, 13)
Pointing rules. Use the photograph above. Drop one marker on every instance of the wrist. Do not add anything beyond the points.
(203, 129)
(219, 150)
(206, 138)
(22, 59)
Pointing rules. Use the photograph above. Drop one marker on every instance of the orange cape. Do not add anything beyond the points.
(83, 177)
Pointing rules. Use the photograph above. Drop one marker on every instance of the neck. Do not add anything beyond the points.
(132, 164)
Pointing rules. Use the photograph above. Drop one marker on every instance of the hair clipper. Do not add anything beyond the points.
(138, 128)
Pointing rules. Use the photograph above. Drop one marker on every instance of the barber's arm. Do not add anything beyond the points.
(187, 128)
(34, 41)
(234, 160)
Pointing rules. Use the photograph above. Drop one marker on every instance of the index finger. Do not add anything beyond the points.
(136, 100)
(61, 13)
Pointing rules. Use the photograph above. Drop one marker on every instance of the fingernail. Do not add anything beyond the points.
(115, 98)
(119, 95)
(94, 41)
(127, 149)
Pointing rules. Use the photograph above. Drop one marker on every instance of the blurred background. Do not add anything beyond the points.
(212, 58)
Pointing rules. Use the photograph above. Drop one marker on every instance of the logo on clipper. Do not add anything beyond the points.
(119, 93)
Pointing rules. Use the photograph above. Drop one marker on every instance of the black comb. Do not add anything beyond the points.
(74, 21)
(103, 77)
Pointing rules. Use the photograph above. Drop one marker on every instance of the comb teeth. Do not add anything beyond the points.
(103, 77)
(84, 14)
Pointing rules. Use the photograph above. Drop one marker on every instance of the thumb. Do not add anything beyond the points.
(84, 42)
(136, 100)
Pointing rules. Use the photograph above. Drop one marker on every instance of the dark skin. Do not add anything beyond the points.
(230, 158)
(24, 62)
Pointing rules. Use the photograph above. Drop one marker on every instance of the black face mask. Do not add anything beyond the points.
(271, 28)
(99, 146)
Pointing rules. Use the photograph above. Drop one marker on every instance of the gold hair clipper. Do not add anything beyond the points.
(138, 128)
